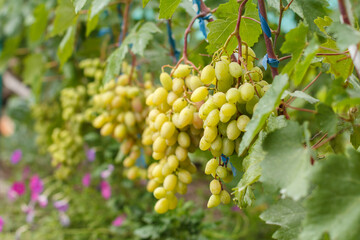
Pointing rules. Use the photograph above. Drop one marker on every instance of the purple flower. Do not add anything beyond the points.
(36, 187)
(107, 172)
(64, 219)
(30, 212)
(86, 180)
(119, 220)
(105, 189)
(17, 189)
(1, 223)
(16, 156)
(43, 201)
(61, 205)
(91, 154)
(235, 209)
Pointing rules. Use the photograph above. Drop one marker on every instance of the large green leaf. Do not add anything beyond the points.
(355, 137)
(287, 214)
(66, 46)
(168, 7)
(221, 28)
(287, 162)
(34, 68)
(65, 16)
(37, 29)
(91, 23)
(321, 23)
(114, 61)
(295, 42)
(301, 95)
(326, 119)
(265, 107)
(79, 4)
(345, 35)
(333, 207)
(97, 6)
(9, 49)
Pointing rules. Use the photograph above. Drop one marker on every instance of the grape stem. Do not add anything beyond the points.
(237, 29)
(301, 109)
(282, 10)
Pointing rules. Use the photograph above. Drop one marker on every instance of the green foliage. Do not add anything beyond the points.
(64, 17)
(167, 7)
(66, 46)
(37, 29)
(345, 35)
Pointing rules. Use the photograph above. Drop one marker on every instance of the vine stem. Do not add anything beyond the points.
(237, 29)
(353, 49)
(268, 42)
(301, 109)
(126, 20)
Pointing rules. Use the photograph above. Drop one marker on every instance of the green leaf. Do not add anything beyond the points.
(326, 119)
(333, 207)
(287, 162)
(168, 7)
(91, 23)
(287, 214)
(10, 46)
(97, 6)
(341, 68)
(295, 42)
(145, 2)
(39, 25)
(114, 61)
(66, 46)
(355, 137)
(64, 17)
(221, 28)
(345, 35)
(33, 73)
(321, 23)
(265, 107)
(79, 4)
(302, 95)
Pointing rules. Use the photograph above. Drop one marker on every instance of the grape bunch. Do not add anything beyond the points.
(73, 102)
(173, 129)
(93, 68)
(226, 113)
(121, 113)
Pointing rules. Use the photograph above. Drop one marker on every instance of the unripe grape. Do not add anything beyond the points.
(184, 139)
(182, 71)
(235, 69)
(213, 118)
(221, 172)
(216, 145)
(194, 83)
(228, 109)
(219, 99)
(204, 145)
(167, 130)
(173, 162)
(184, 176)
(210, 134)
(159, 144)
(162, 206)
(179, 104)
(233, 132)
(215, 187)
(223, 86)
(170, 182)
(181, 153)
(166, 81)
(233, 95)
(225, 197)
(211, 166)
(199, 94)
(214, 201)
(242, 122)
(228, 147)
(107, 129)
(208, 74)
(247, 91)
(160, 96)
(159, 192)
(152, 185)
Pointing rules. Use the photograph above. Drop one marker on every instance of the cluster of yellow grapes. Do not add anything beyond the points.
(173, 129)
(121, 114)
(226, 112)
(93, 68)
(73, 101)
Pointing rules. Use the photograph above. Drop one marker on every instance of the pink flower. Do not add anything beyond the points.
(42, 200)
(64, 219)
(91, 154)
(119, 220)
(105, 189)
(36, 187)
(16, 156)
(16, 190)
(86, 180)
(107, 172)
(1, 223)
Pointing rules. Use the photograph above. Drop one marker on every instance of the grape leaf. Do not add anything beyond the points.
(64, 17)
(78, 5)
(38, 27)
(345, 35)
(114, 61)
(266, 105)
(326, 119)
(91, 23)
(295, 42)
(287, 214)
(145, 2)
(355, 137)
(287, 162)
(9, 49)
(302, 95)
(333, 207)
(168, 7)
(221, 28)
(321, 23)
(34, 68)
(97, 6)
(66, 46)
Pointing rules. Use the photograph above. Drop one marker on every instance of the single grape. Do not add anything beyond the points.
(235, 70)
(214, 201)
(166, 81)
(225, 197)
(242, 122)
(199, 94)
(208, 74)
(159, 192)
(215, 187)
(232, 131)
(247, 91)
(162, 206)
(170, 182)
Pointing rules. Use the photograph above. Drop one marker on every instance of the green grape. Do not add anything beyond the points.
(210, 134)
(120, 131)
(247, 91)
(194, 83)
(181, 153)
(173, 162)
(222, 71)
(170, 182)
(215, 187)
(152, 185)
(204, 145)
(173, 201)
(160, 120)
(248, 53)
(184, 139)
(184, 176)
(216, 145)
(186, 116)
(221, 172)
(228, 147)
(162, 206)
(233, 95)
(159, 96)
(214, 201)
(219, 99)
(159, 192)
(171, 98)
(235, 70)
(178, 85)
(199, 94)
(211, 166)
(159, 144)
(213, 118)
(228, 109)
(166, 81)
(242, 122)
(167, 130)
(182, 71)
(225, 197)
(179, 105)
(207, 74)
(251, 104)
(232, 131)
(107, 129)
